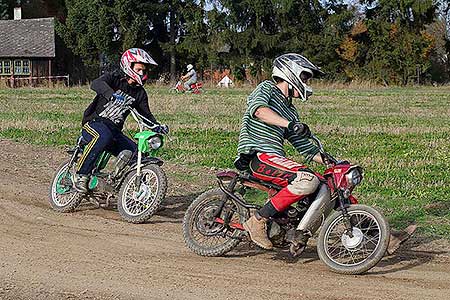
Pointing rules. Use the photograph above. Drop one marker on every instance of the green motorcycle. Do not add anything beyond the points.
(138, 186)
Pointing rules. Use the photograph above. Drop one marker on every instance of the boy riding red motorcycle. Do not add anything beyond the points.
(352, 239)
(188, 82)
(271, 118)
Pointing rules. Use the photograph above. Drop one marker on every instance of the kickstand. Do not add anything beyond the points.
(296, 250)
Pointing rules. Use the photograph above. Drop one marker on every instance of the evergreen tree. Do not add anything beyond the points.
(4, 15)
(259, 30)
(187, 33)
(399, 48)
(108, 27)
(6, 9)
(394, 42)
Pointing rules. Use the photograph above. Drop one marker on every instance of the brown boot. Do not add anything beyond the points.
(258, 232)
(398, 237)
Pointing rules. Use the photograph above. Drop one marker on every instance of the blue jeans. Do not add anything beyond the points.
(187, 84)
(101, 137)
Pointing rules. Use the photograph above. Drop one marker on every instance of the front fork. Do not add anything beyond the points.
(347, 219)
(137, 183)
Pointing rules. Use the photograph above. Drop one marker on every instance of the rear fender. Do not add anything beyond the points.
(353, 199)
(226, 175)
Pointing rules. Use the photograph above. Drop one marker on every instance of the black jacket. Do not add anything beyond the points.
(112, 111)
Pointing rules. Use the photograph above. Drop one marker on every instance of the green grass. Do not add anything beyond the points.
(401, 137)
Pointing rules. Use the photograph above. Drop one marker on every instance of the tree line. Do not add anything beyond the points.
(388, 42)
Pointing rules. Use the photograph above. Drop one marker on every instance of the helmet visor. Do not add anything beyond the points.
(305, 76)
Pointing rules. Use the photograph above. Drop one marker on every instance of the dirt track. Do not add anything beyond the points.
(92, 254)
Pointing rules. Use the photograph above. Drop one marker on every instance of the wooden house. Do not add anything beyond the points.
(27, 48)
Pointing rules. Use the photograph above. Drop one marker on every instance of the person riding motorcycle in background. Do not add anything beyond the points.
(103, 119)
(191, 77)
(269, 119)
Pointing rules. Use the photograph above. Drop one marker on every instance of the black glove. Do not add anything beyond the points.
(162, 129)
(300, 129)
(342, 162)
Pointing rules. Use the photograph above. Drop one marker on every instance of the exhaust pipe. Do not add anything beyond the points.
(317, 212)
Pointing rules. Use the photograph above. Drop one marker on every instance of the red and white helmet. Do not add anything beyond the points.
(136, 55)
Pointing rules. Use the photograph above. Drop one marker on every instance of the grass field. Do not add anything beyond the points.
(401, 136)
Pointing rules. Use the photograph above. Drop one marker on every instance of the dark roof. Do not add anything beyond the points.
(27, 38)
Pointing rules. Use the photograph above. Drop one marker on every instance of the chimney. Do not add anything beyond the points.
(17, 13)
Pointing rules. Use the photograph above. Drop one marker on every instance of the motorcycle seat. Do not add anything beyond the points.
(257, 183)
(249, 180)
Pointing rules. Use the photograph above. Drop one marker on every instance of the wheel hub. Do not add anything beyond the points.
(206, 224)
(142, 194)
(352, 242)
(64, 183)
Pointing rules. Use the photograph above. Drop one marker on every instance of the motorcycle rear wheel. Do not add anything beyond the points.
(62, 196)
(202, 234)
(357, 254)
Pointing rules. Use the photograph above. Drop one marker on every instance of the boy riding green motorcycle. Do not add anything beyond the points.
(137, 181)
(104, 118)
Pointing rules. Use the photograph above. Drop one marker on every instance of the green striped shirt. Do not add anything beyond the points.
(262, 137)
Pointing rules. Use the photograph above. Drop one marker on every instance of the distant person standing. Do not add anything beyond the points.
(190, 77)
(11, 81)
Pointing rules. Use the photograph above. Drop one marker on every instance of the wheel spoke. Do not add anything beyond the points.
(366, 229)
(208, 233)
(149, 185)
(63, 181)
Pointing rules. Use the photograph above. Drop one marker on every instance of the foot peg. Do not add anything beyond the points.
(298, 240)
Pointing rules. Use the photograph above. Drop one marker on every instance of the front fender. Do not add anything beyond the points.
(148, 160)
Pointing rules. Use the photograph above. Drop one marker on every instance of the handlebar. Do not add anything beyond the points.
(142, 121)
(327, 158)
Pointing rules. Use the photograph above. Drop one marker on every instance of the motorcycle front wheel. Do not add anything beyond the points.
(359, 251)
(62, 196)
(137, 205)
(203, 233)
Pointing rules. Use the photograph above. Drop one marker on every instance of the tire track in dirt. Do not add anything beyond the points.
(92, 254)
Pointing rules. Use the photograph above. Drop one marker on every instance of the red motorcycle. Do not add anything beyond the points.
(195, 88)
(353, 237)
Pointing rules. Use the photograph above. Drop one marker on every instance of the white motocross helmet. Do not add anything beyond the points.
(189, 67)
(295, 69)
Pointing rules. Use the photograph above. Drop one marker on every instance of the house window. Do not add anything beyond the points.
(26, 66)
(5, 67)
(22, 67)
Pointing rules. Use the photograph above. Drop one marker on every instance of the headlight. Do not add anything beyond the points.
(354, 177)
(155, 142)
